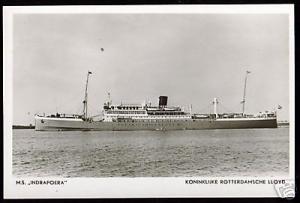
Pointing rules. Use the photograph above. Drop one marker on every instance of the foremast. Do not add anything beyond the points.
(244, 94)
(85, 101)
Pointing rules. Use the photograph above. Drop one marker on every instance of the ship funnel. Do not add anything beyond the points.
(163, 101)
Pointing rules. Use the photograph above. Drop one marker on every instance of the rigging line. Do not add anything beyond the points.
(93, 109)
(62, 106)
(78, 109)
(75, 106)
(96, 115)
(225, 108)
(237, 107)
(208, 107)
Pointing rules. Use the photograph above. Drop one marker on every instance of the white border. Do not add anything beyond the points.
(133, 187)
(292, 92)
(162, 9)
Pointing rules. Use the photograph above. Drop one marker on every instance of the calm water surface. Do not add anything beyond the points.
(241, 152)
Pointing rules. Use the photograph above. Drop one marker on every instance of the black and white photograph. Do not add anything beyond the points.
(197, 94)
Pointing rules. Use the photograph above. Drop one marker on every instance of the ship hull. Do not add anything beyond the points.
(57, 124)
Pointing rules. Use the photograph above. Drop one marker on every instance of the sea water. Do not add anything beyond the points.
(238, 152)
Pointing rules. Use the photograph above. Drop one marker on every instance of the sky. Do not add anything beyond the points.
(191, 58)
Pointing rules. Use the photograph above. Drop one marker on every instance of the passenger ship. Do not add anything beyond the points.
(147, 117)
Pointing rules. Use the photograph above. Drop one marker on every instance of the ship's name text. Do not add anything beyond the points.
(41, 182)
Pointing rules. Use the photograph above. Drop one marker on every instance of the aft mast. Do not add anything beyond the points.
(215, 103)
(85, 102)
(244, 95)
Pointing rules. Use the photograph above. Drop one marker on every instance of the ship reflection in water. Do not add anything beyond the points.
(226, 152)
